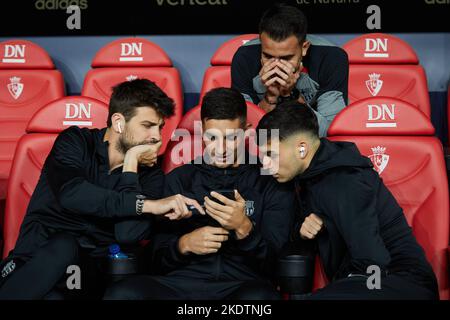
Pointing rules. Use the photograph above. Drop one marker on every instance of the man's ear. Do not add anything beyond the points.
(305, 46)
(248, 126)
(115, 119)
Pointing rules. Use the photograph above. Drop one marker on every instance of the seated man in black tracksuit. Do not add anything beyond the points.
(89, 196)
(359, 227)
(230, 252)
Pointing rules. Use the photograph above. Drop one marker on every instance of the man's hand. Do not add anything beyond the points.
(142, 154)
(203, 241)
(231, 215)
(311, 227)
(149, 158)
(174, 207)
(268, 75)
(279, 77)
(290, 78)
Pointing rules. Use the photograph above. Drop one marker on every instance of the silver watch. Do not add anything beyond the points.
(139, 204)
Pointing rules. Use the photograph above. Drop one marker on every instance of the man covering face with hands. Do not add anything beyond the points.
(286, 64)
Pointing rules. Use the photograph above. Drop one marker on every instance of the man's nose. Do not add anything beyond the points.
(156, 135)
(220, 148)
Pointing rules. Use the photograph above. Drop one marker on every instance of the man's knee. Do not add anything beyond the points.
(63, 247)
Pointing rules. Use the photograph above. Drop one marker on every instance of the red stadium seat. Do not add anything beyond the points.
(182, 152)
(33, 148)
(219, 74)
(131, 58)
(320, 279)
(402, 146)
(29, 81)
(175, 156)
(384, 65)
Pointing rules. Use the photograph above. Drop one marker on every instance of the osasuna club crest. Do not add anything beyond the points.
(374, 84)
(249, 207)
(379, 158)
(15, 88)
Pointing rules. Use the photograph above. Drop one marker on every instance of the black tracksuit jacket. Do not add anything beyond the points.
(77, 194)
(364, 225)
(252, 258)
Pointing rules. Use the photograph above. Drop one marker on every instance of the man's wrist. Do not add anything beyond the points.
(272, 100)
(149, 206)
(130, 163)
(244, 229)
(182, 245)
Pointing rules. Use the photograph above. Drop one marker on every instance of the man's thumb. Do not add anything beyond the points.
(237, 195)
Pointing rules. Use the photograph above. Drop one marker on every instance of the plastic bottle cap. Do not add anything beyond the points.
(114, 249)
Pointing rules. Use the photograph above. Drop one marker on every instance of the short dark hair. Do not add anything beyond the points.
(224, 104)
(129, 95)
(290, 118)
(282, 21)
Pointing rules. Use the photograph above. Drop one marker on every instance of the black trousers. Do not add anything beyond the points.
(393, 287)
(43, 275)
(147, 287)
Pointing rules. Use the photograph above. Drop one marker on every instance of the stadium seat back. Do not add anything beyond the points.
(29, 81)
(131, 58)
(410, 161)
(33, 149)
(384, 65)
(219, 74)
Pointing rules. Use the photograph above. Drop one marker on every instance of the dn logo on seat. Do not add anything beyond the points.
(131, 51)
(381, 116)
(376, 48)
(78, 114)
(14, 53)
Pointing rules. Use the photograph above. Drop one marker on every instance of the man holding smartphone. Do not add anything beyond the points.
(285, 64)
(230, 252)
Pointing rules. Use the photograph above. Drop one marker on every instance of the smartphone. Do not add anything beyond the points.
(228, 193)
(194, 209)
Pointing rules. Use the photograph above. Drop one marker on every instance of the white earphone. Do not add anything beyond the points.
(119, 127)
(302, 151)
